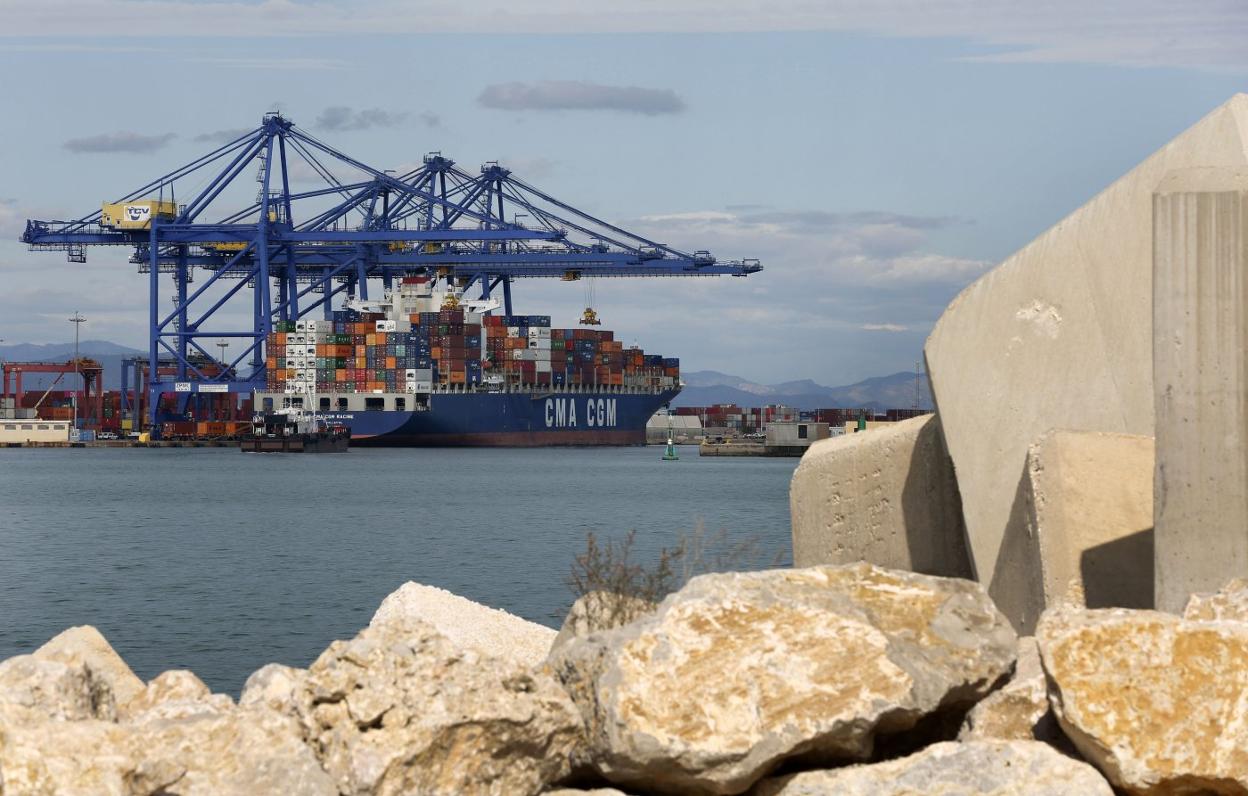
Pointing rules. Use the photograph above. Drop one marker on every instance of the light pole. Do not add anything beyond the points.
(224, 344)
(77, 321)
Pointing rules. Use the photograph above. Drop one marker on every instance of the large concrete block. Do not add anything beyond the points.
(1081, 527)
(1200, 360)
(1060, 334)
(886, 496)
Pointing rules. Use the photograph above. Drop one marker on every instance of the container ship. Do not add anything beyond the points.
(425, 367)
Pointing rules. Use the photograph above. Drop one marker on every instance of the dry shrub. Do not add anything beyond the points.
(615, 588)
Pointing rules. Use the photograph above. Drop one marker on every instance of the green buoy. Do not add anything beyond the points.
(669, 453)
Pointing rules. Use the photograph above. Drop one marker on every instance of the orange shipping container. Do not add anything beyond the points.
(380, 338)
(390, 362)
(458, 377)
(281, 338)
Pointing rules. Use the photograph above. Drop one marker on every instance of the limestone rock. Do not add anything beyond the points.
(1082, 523)
(173, 695)
(401, 709)
(468, 624)
(975, 768)
(1154, 701)
(86, 644)
(739, 671)
(578, 792)
(46, 757)
(1230, 602)
(599, 611)
(231, 754)
(274, 686)
(1019, 710)
(235, 753)
(887, 496)
(56, 689)
(1060, 335)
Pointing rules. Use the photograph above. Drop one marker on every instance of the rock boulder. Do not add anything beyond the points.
(738, 672)
(1154, 701)
(1019, 710)
(468, 624)
(974, 768)
(401, 709)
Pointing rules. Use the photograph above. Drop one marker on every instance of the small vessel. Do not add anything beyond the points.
(294, 431)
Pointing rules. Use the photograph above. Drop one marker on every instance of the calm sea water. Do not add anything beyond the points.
(220, 562)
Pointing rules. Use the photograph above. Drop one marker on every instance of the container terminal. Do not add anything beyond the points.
(383, 303)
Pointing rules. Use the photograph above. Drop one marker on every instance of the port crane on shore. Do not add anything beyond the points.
(301, 248)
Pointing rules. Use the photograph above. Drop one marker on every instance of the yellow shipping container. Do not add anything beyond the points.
(135, 215)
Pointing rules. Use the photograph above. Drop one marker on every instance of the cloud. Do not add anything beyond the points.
(884, 327)
(429, 119)
(126, 141)
(340, 117)
(1138, 33)
(222, 136)
(573, 95)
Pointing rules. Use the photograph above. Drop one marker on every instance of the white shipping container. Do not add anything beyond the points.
(409, 375)
(424, 374)
(472, 317)
(543, 366)
(424, 386)
(513, 331)
(542, 354)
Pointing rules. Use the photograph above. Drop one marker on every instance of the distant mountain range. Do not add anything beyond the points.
(708, 387)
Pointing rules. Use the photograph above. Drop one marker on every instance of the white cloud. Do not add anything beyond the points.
(1208, 34)
(574, 95)
(126, 141)
(340, 117)
(222, 136)
(884, 327)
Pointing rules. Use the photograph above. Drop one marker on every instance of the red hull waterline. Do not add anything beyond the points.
(506, 439)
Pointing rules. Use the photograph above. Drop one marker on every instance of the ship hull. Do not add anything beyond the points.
(509, 420)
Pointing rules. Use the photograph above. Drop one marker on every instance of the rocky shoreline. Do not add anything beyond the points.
(850, 679)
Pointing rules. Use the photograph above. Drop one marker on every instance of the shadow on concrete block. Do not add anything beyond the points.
(1119, 573)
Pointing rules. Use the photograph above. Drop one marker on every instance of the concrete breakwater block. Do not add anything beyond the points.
(886, 496)
(1060, 334)
(1201, 318)
(1081, 527)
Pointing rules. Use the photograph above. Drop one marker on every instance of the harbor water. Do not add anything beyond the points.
(220, 562)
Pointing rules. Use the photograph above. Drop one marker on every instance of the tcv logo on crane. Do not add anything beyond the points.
(137, 214)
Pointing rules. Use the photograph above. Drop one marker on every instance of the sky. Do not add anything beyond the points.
(877, 157)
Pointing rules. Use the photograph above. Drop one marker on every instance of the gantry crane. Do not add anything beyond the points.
(311, 246)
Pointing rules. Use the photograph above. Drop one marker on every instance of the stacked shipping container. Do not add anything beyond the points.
(450, 349)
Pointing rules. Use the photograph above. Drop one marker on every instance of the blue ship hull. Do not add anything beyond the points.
(509, 419)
